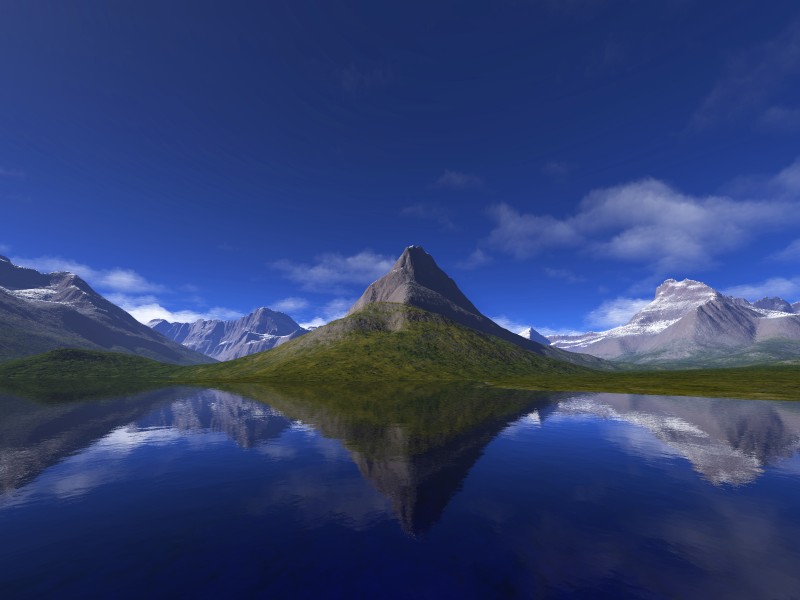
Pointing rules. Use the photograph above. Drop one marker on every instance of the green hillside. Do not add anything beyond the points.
(392, 343)
(387, 342)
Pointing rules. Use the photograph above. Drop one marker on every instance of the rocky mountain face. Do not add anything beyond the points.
(46, 311)
(416, 280)
(261, 330)
(691, 322)
(778, 304)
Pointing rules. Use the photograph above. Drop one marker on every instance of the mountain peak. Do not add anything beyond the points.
(673, 300)
(686, 288)
(416, 279)
(775, 303)
(4, 259)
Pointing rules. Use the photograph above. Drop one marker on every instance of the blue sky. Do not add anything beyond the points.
(558, 158)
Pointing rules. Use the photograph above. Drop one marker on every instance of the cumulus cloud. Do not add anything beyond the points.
(335, 309)
(524, 235)
(148, 308)
(291, 304)
(510, 324)
(786, 288)
(456, 180)
(647, 222)
(613, 313)
(335, 272)
(128, 289)
(752, 78)
(117, 279)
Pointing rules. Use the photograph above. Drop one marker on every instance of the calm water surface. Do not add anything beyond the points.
(399, 492)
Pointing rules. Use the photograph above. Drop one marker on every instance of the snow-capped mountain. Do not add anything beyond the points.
(261, 330)
(690, 321)
(46, 311)
(531, 334)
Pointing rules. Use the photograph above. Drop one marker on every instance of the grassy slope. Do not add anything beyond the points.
(387, 343)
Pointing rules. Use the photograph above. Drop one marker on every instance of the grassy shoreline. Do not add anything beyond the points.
(73, 370)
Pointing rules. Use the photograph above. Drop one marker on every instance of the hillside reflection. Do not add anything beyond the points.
(414, 444)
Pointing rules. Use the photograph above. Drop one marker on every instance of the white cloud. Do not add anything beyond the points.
(335, 309)
(518, 327)
(613, 313)
(648, 222)
(290, 304)
(335, 273)
(117, 279)
(786, 288)
(779, 119)
(526, 235)
(456, 180)
(791, 252)
(127, 289)
(147, 308)
(510, 324)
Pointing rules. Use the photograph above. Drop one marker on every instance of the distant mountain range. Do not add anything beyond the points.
(40, 312)
(690, 323)
(261, 330)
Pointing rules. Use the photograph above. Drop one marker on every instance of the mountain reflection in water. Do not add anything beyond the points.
(523, 472)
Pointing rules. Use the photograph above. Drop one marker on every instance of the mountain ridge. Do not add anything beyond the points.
(261, 330)
(690, 321)
(41, 312)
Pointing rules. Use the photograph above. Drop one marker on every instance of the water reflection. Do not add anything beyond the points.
(495, 492)
(727, 441)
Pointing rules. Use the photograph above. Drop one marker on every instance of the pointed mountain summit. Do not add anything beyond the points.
(412, 324)
(416, 280)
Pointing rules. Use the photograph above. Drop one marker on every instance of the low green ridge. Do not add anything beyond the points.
(387, 342)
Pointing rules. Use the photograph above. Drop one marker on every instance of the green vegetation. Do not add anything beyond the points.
(393, 343)
(387, 342)
(62, 375)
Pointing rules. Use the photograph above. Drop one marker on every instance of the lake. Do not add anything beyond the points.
(398, 492)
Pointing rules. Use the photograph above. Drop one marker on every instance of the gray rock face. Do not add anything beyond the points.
(416, 280)
(778, 304)
(46, 311)
(691, 322)
(261, 330)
